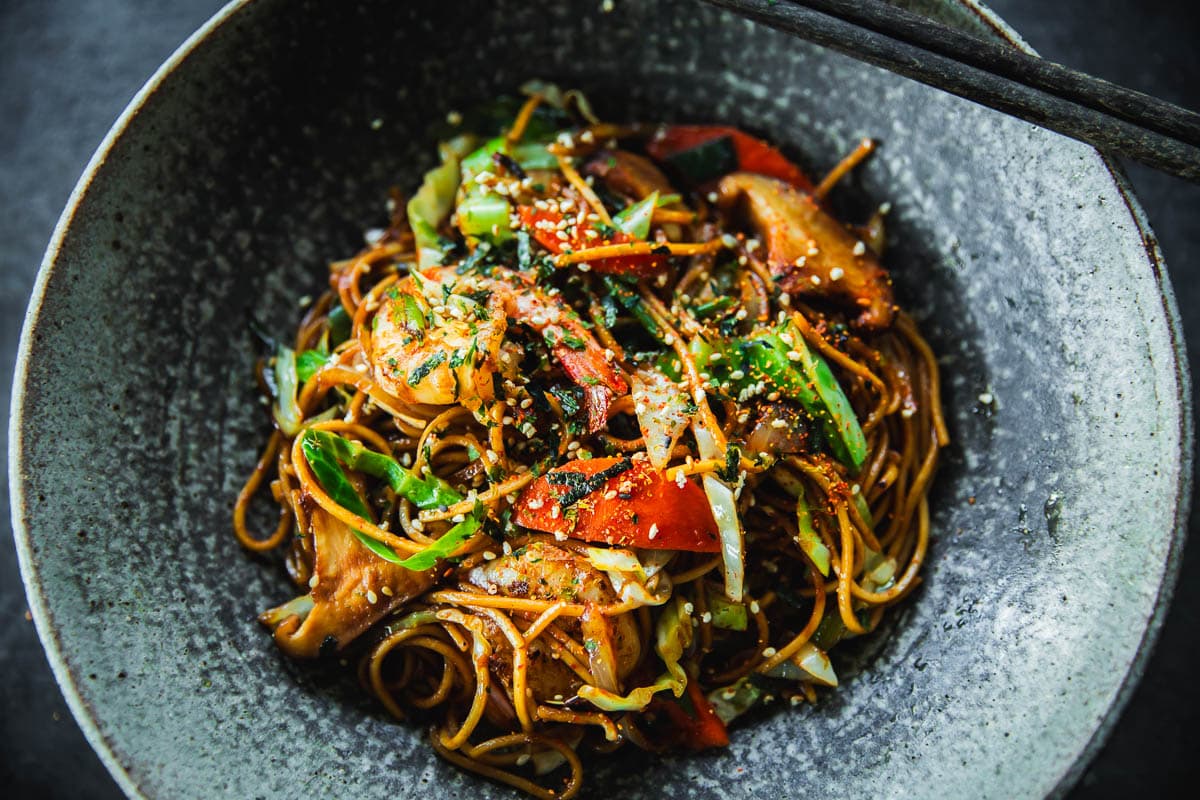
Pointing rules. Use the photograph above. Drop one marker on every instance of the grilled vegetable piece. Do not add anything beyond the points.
(808, 251)
(352, 589)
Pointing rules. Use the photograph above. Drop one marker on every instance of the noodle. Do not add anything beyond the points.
(536, 532)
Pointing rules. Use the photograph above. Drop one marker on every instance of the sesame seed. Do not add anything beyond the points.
(526, 403)
(737, 375)
(698, 396)
(769, 651)
(855, 489)
(728, 240)
(816, 279)
(554, 512)
(372, 598)
(488, 555)
(688, 608)
(779, 423)
(859, 248)
(458, 518)
(706, 616)
(651, 534)
(610, 495)
(884, 208)
(714, 358)
(793, 355)
(773, 396)
(314, 581)
(754, 607)
(986, 398)
(711, 197)
(836, 273)
(536, 504)
(785, 299)
(741, 314)
(801, 261)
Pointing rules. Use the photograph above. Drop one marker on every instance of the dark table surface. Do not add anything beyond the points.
(68, 67)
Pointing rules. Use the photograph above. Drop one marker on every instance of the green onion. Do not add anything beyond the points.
(323, 450)
(427, 493)
(730, 702)
(339, 326)
(309, 363)
(485, 216)
(635, 219)
(429, 206)
(726, 614)
(286, 410)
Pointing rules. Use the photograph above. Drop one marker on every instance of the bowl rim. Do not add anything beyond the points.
(26, 558)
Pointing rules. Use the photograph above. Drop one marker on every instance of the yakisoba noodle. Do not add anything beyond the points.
(609, 437)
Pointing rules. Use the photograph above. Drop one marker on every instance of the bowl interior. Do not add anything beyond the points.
(268, 150)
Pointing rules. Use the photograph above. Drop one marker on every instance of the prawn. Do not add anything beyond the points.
(439, 338)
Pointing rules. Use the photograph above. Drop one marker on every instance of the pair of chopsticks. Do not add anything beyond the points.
(1113, 119)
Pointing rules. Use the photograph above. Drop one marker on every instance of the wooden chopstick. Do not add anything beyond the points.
(1112, 118)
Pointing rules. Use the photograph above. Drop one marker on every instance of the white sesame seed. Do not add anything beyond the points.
(536, 504)
(488, 555)
(859, 248)
(801, 261)
(816, 279)
(779, 423)
(986, 398)
(554, 512)
(769, 651)
(836, 273)
(714, 358)
(458, 518)
(372, 598)
(785, 299)
(773, 396)
(729, 240)
(698, 396)
(885, 208)
(314, 581)
(793, 355)
(706, 616)
(855, 489)
(737, 375)
(688, 608)
(610, 495)
(654, 532)
(711, 197)
(754, 607)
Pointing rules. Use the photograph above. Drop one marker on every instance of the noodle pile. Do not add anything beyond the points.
(643, 464)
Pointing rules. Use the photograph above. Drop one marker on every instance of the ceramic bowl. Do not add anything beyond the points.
(265, 147)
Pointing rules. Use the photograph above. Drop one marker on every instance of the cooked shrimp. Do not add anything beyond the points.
(437, 338)
(437, 355)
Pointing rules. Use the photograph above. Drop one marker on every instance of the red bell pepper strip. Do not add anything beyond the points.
(631, 505)
(543, 225)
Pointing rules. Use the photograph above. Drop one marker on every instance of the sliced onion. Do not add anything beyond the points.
(724, 510)
(662, 412)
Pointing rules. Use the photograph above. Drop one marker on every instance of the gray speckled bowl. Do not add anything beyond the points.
(265, 146)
